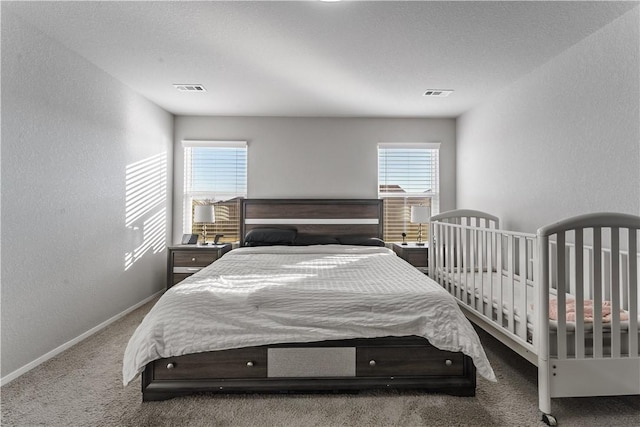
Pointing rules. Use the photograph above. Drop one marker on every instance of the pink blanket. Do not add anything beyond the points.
(588, 311)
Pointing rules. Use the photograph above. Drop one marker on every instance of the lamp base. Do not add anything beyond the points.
(419, 243)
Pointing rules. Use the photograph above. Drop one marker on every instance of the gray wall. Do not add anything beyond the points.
(315, 157)
(73, 142)
(561, 141)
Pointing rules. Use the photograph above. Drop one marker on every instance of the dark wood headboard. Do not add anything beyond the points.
(331, 217)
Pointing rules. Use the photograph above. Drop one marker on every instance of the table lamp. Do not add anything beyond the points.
(204, 214)
(420, 215)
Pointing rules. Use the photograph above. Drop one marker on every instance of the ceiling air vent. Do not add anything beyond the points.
(438, 93)
(190, 88)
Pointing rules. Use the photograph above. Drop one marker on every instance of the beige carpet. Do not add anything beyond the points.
(83, 387)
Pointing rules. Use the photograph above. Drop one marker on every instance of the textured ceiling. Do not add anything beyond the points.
(310, 58)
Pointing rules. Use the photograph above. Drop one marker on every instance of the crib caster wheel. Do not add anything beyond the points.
(549, 420)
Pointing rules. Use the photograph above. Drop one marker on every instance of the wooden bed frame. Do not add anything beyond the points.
(469, 255)
(343, 365)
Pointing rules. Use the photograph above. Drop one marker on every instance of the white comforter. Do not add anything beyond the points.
(280, 294)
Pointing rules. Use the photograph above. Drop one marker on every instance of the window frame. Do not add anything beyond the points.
(410, 198)
(209, 197)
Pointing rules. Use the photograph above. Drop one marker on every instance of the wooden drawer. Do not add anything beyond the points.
(177, 278)
(185, 260)
(417, 258)
(237, 363)
(401, 361)
(193, 258)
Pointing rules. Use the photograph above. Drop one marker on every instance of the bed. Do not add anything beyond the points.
(324, 315)
(565, 298)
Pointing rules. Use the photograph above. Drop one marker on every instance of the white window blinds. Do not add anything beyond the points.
(216, 169)
(215, 173)
(408, 175)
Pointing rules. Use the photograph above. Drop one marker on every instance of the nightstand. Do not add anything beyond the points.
(418, 256)
(184, 260)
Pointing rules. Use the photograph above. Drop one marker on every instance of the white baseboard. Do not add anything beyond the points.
(29, 366)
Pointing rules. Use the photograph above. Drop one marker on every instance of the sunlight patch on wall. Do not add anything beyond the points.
(146, 186)
(145, 206)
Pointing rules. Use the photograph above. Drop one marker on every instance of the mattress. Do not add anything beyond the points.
(284, 294)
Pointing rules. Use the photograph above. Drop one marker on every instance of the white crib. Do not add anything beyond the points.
(520, 287)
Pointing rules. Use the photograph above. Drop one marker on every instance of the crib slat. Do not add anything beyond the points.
(444, 246)
(511, 284)
(579, 256)
(430, 253)
(471, 284)
(477, 302)
(452, 260)
(597, 292)
(615, 292)
(445, 265)
(465, 266)
(561, 295)
(535, 297)
(522, 302)
(490, 276)
(443, 275)
(568, 277)
(443, 279)
(434, 258)
(458, 270)
(633, 293)
(624, 281)
(449, 261)
(481, 242)
(443, 256)
(499, 278)
(532, 277)
(454, 263)
(438, 253)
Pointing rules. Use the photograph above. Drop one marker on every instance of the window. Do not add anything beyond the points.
(408, 175)
(215, 173)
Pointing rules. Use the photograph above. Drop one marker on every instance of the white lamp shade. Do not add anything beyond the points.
(204, 214)
(420, 214)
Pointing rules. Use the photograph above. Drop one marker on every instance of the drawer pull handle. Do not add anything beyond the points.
(249, 364)
(170, 365)
(372, 363)
(193, 259)
(448, 362)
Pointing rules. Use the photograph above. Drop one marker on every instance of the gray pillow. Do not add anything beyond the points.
(269, 236)
(305, 239)
(360, 240)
